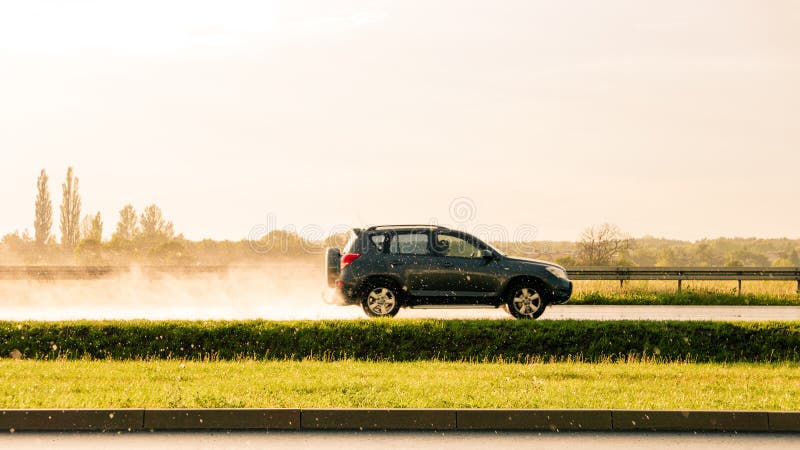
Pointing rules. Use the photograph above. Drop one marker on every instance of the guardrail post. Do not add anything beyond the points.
(679, 285)
(798, 285)
(739, 292)
(620, 283)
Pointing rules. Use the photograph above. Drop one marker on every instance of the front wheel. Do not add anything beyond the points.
(381, 300)
(525, 302)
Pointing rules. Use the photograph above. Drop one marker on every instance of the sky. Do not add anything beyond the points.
(675, 119)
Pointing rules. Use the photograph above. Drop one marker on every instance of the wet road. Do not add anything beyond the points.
(626, 312)
(559, 312)
(251, 295)
(673, 312)
(424, 440)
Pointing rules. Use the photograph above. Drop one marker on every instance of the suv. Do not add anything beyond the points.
(385, 268)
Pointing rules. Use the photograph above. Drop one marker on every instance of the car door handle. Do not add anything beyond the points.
(396, 263)
(448, 265)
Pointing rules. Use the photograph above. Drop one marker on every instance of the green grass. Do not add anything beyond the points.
(690, 297)
(405, 340)
(644, 292)
(305, 384)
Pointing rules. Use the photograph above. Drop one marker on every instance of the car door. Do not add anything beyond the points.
(411, 258)
(462, 273)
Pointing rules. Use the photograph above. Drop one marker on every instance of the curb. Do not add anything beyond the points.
(379, 419)
(535, 419)
(13, 420)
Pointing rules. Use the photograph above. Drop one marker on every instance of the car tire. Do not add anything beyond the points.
(381, 299)
(525, 301)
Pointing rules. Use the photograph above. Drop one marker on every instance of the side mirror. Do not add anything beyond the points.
(487, 254)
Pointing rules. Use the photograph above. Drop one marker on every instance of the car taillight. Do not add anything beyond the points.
(347, 258)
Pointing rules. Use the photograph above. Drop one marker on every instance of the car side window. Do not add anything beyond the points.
(456, 247)
(409, 244)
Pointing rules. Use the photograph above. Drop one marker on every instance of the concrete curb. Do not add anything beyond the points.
(221, 419)
(691, 420)
(378, 419)
(534, 419)
(71, 419)
(14, 420)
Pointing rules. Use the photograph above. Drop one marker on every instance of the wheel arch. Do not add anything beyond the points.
(518, 279)
(372, 280)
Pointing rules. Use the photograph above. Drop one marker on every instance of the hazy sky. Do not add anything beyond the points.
(677, 119)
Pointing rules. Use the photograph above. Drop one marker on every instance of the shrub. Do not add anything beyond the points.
(405, 340)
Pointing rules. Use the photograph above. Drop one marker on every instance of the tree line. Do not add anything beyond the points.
(147, 237)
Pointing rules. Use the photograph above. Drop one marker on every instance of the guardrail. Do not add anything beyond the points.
(622, 274)
(686, 273)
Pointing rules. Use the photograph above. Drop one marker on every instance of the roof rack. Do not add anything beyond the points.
(426, 225)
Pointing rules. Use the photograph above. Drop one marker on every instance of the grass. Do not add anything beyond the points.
(405, 340)
(305, 384)
(643, 292)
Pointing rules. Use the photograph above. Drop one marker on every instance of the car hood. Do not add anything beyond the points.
(537, 262)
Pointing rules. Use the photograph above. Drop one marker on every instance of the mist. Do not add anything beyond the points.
(272, 292)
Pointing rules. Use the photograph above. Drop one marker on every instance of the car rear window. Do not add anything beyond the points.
(349, 247)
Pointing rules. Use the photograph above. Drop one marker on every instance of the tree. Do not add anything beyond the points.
(794, 258)
(70, 211)
(43, 220)
(97, 227)
(153, 224)
(92, 227)
(567, 261)
(601, 245)
(731, 261)
(127, 227)
(782, 262)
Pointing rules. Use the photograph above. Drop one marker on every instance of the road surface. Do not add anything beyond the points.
(407, 440)
(265, 311)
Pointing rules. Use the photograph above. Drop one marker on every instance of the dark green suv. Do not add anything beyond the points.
(385, 268)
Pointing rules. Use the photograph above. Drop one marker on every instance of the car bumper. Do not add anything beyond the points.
(341, 295)
(561, 294)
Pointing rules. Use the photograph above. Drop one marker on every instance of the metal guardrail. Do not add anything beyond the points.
(686, 273)
(576, 273)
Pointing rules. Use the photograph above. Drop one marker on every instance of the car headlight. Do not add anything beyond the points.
(557, 271)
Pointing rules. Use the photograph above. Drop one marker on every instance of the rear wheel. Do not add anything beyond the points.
(381, 300)
(524, 301)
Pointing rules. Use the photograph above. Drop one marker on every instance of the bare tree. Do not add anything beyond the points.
(70, 211)
(92, 227)
(97, 227)
(43, 220)
(153, 223)
(127, 227)
(601, 245)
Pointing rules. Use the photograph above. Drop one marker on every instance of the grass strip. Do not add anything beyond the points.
(356, 384)
(688, 297)
(405, 340)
